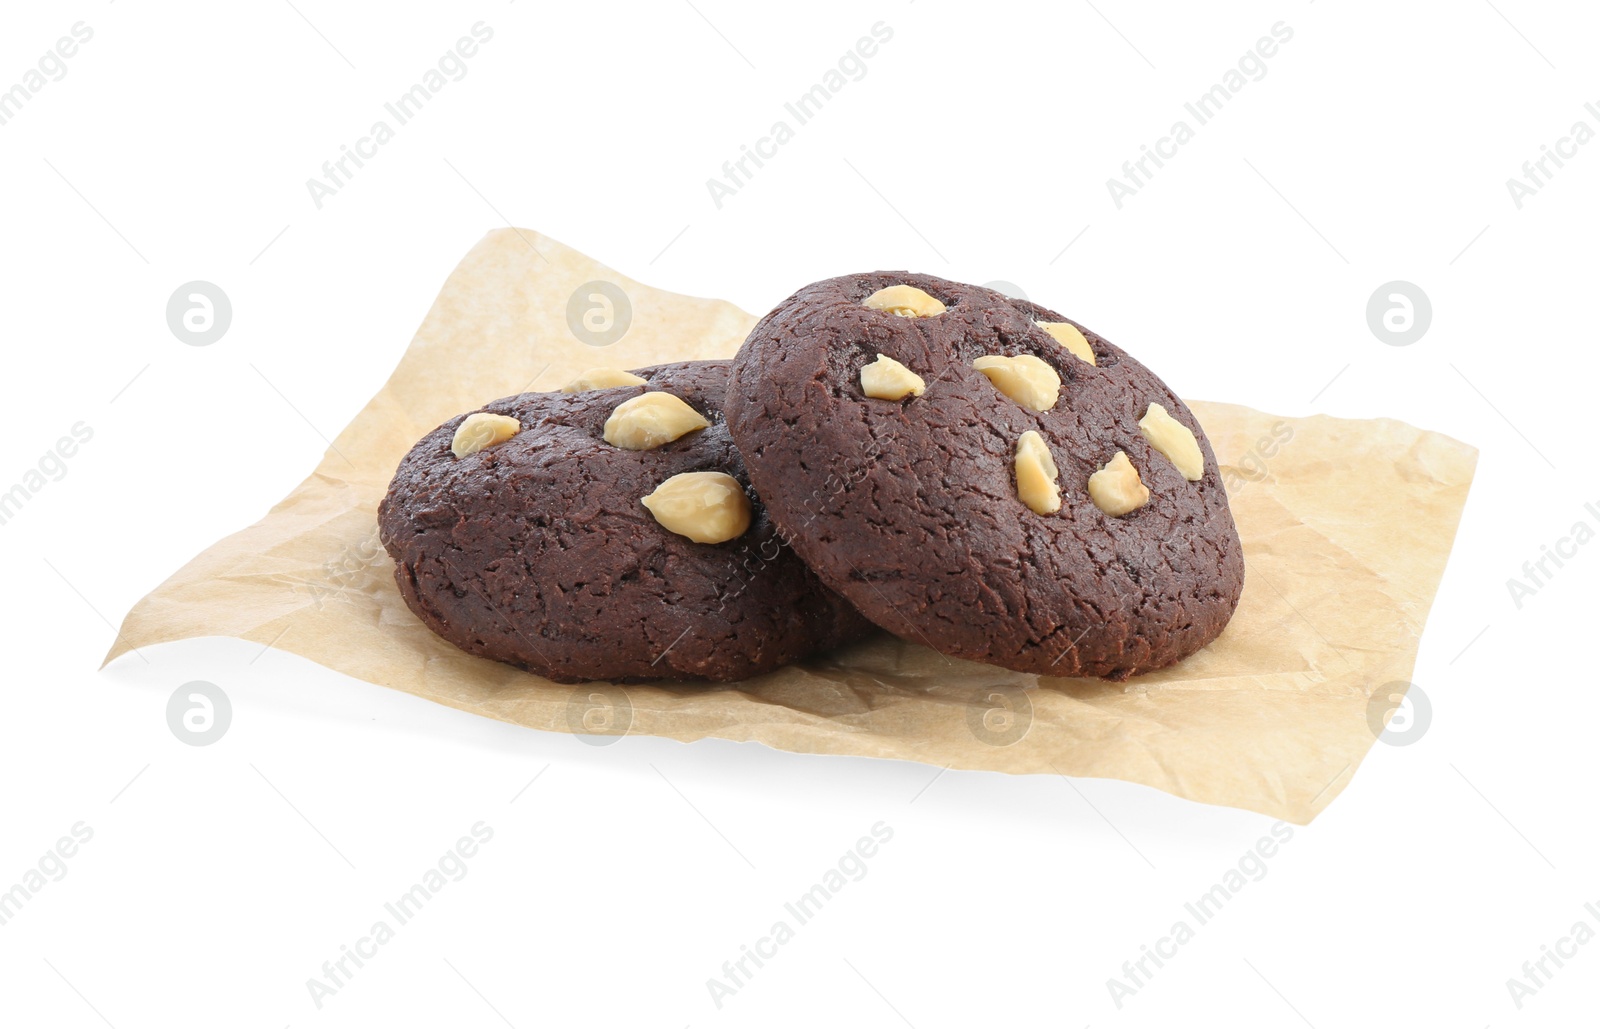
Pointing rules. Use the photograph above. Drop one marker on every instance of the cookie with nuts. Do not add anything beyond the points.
(981, 475)
(607, 531)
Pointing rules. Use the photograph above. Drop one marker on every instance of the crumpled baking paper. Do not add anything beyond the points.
(1275, 716)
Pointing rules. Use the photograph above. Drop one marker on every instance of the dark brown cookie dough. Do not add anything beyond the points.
(537, 551)
(910, 507)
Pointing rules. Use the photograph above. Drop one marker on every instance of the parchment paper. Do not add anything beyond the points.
(1274, 716)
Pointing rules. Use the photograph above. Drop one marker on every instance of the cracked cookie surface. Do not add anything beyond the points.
(910, 506)
(537, 550)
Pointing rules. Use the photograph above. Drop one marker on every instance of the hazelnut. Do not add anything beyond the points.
(602, 378)
(707, 507)
(1026, 379)
(905, 301)
(1116, 489)
(1175, 442)
(649, 420)
(1071, 337)
(1037, 475)
(888, 379)
(482, 430)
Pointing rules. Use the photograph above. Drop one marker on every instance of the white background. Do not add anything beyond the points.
(977, 146)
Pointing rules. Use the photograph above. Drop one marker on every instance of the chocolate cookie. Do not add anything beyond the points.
(609, 532)
(970, 479)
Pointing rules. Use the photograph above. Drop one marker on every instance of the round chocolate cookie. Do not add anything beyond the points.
(609, 532)
(983, 476)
